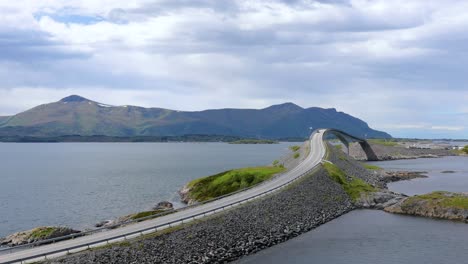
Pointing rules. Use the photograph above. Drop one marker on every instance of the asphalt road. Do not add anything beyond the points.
(317, 152)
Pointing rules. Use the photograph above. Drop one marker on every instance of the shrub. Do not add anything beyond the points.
(294, 148)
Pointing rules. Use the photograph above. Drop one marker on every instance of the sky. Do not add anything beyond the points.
(398, 65)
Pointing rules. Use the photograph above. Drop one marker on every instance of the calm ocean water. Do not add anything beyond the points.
(368, 236)
(80, 184)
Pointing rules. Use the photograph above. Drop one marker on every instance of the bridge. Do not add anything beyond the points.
(96, 238)
(346, 139)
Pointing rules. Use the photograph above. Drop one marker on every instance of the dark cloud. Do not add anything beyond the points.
(33, 46)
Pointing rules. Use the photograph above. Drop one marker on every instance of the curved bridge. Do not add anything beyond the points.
(34, 252)
(346, 138)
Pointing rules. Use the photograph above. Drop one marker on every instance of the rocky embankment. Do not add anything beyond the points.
(397, 152)
(244, 230)
(443, 205)
(36, 234)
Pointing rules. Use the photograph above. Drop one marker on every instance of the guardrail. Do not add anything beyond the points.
(131, 221)
(141, 231)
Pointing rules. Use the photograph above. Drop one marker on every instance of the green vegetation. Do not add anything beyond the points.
(296, 155)
(42, 232)
(442, 199)
(339, 147)
(210, 187)
(465, 149)
(146, 214)
(353, 188)
(371, 167)
(295, 148)
(254, 141)
(276, 163)
(383, 142)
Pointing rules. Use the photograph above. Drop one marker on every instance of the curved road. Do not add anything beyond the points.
(317, 152)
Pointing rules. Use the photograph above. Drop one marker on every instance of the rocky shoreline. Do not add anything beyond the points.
(37, 234)
(442, 205)
(49, 232)
(394, 176)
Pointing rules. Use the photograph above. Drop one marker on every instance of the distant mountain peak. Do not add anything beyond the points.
(76, 115)
(74, 99)
(286, 106)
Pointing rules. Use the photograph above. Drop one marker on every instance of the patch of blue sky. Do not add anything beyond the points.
(71, 18)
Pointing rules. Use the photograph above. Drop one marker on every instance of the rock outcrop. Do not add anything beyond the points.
(443, 205)
(185, 195)
(379, 200)
(161, 207)
(164, 205)
(394, 176)
(37, 234)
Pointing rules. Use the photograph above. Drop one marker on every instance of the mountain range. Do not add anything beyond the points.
(75, 115)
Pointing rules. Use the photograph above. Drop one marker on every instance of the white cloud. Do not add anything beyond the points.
(400, 65)
(449, 128)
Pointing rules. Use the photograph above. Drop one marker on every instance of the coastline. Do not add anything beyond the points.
(251, 243)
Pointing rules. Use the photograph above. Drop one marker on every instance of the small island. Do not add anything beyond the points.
(440, 204)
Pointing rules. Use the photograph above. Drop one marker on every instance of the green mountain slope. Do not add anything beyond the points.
(75, 115)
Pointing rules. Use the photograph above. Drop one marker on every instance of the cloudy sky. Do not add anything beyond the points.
(399, 65)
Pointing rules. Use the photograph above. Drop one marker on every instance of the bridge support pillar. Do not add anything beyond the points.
(371, 156)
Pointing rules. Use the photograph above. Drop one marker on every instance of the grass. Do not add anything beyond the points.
(383, 142)
(295, 148)
(296, 155)
(210, 187)
(42, 232)
(442, 199)
(111, 245)
(465, 149)
(353, 187)
(146, 214)
(371, 167)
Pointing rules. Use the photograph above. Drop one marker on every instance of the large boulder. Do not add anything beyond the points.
(164, 205)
